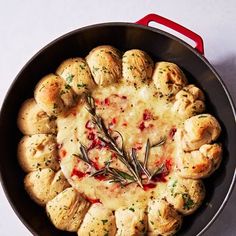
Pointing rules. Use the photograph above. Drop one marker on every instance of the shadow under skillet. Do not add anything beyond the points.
(225, 223)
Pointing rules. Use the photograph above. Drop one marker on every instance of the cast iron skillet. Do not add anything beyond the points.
(124, 36)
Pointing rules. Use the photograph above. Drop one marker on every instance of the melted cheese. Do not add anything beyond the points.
(138, 114)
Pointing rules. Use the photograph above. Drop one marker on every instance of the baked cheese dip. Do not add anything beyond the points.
(116, 144)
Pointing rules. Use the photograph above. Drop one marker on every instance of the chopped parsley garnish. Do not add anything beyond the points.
(67, 86)
(95, 68)
(141, 222)
(69, 78)
(188, 202)
(82, 85)
(82, 67)
(174, 183)
(62, 92)
(104, 222)
(131, 209)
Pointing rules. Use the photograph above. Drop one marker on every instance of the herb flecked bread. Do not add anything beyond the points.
(116, 144)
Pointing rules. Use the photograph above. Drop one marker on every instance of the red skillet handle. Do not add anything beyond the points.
(179, 28)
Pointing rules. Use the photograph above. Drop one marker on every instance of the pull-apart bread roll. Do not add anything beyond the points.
(33, 120)
(189, 101)
(200, 163)
(53, 95)
(98, 221)
(137, 67)
(163, 219)
(131, 221)
(168, 78)
(43, 185)
(67, 210)
(199, 130)
(105, 64)
(38, 151)
(186, 195)
(76, 73)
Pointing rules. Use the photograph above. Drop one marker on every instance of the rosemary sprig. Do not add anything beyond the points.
(122, 155)
(84, 153)
(85, 158)
(141, 168)
(147, 150)
(109, 140)
(130, 160)
(136, 164)
(114, 174)
(160, 142)
(159, 170)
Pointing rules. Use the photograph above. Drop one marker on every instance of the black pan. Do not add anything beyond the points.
(161, 46)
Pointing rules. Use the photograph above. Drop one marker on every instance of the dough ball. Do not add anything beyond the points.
(137, 67)
(43, 185)
(33, 120)
(189, 101)
(163, 219)
(199, 130)
(98, 221)
(199, 163)
(76, 73)
(67, 210)
(131, 221)
(38, 151)
(168, 78)
(186, 195)
(53, 95)
(105, 65)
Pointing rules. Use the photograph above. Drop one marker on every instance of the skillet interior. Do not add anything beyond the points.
(124, 36)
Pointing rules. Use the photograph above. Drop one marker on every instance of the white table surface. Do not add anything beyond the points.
(26, 26)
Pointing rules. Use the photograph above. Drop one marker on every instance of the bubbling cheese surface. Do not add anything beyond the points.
(138, 114)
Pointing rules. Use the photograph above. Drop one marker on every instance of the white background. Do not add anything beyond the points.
(26, 26)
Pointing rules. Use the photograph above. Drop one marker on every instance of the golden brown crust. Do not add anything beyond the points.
(38, 151)
(53, 95)
(76, 73)
(189, 101)
(214, 153)
(98, 221)
(43, 185)
(105, 64)
(67, 210)
(186, 195)
(137, 67)
(131, 221)
(168, 78)
(33, 120)
(163, 219)
(199, 130)
(200, 163)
